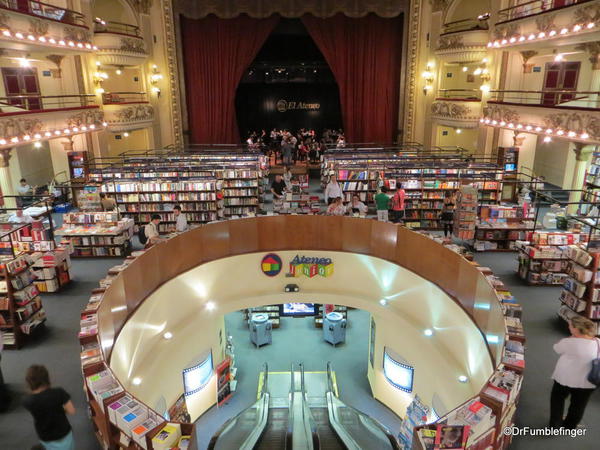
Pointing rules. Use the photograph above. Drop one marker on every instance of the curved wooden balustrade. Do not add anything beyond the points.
(417, 253)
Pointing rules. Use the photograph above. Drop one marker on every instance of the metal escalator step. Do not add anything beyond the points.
(274, 435)
(328, 439)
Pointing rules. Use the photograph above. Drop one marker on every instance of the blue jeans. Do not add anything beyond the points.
(65, 443)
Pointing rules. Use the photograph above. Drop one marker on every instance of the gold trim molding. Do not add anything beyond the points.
(227, 9)
(170, 40)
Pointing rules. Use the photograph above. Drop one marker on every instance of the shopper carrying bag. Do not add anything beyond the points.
(578, 357)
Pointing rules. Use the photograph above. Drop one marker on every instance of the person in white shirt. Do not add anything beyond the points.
(332, 190)
(151, 231)
(25, 192)
(287, 177)
(570, 374)
(181, 223)
(20, 217)
(356, 206)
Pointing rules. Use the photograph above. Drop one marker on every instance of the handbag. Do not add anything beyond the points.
(594, 375)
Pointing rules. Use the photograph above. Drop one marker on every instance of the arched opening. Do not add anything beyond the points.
(288, 85)
(114, 11)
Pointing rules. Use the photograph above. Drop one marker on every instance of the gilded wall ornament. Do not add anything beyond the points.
(135, 113)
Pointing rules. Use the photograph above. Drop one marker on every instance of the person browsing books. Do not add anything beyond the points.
(278, 187)
(336, 207)
(151, 231)
(20, 217)
(447, 215)
(25, 192)
(332, 190)
(49, 407)
(382, 203)
(108, 204)
(287, 178)
(570, 374)
(181, 223)
(398, 204)
(356, 206)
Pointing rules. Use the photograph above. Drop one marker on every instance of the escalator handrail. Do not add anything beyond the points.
(346, 438)
(308, 419)
(289, 434)
(262, 406)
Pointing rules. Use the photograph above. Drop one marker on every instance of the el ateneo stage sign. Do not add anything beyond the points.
(287, 105)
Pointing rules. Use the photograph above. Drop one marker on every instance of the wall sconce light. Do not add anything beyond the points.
(119, 70)
(428, 76)
(99, 77)
(155, 77)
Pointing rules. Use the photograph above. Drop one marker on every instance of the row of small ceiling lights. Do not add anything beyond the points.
(534, 129)
(541, 35)
(49, 134)
(44, 40)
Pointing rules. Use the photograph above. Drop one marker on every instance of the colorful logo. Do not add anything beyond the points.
(271, 265)
(309, 267)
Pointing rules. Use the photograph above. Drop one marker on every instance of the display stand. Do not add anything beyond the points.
(270, 310)
(100, 234)
(499, 227)
(465, 213)
(21, 310)
(343, 310)
(542, 258)
(581, 292)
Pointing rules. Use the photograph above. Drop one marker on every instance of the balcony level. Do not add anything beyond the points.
(458, 108)
(35, 26)
(119, 44)
(463, 41)
(124, 111)
(30, 118)
(546, 23)
(560, 114)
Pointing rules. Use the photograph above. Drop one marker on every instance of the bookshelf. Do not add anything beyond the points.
(500, 226)
(97, 234)
(298, 200)
(140, 200)
(21, 311)
(465, 213)
(581, 290)
(50, 262)
(241, 191)
(425, 181)
(542, 257)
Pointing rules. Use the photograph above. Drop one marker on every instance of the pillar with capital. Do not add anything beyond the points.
(583, 153)
(593, 50)
(6, 183)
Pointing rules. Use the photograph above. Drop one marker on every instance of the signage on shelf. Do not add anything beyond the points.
(271, 265)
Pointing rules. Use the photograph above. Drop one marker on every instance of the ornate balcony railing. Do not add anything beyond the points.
(44, 10)
(123, 98)
(466, 95)
(548, 98)
(465, 25)
(103, 26)
(533, 8)
(41, 103)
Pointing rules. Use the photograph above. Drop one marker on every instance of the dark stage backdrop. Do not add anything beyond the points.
(287, 105)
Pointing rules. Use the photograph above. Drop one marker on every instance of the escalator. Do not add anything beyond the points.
(300, 426)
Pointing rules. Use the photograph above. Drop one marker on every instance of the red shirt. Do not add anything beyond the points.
(398, 200)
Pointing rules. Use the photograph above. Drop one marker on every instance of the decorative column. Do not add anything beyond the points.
(583, 152)
(6, 183)
(593, 49)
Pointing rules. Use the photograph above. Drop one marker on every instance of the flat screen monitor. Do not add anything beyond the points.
(509, 167)
(399, 375)
(198, 376)
(298, 309)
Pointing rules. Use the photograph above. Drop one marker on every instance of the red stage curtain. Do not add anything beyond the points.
(365, 56)
(216, 52)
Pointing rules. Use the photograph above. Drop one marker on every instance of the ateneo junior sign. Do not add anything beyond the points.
(307, 266)
(271, 265)
(285, 105)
